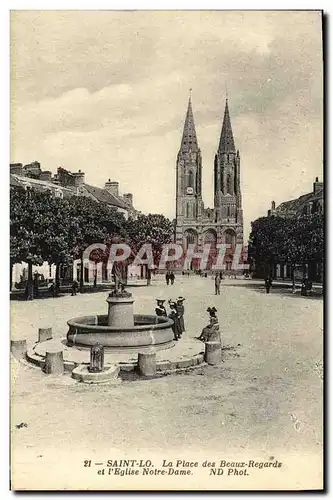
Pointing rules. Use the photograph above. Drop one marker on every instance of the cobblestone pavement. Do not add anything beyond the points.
(265, 399)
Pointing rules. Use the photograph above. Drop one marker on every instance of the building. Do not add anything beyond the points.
(65, 184)
(307, 204)
(196, 224)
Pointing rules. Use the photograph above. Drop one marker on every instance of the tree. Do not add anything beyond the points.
(154, 229)
(24, 236)
(93, 222)
(267, 243)
(296, 240)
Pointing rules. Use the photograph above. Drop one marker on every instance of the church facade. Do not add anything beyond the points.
(196, 224)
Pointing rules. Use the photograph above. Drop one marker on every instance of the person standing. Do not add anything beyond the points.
(268, 284)
(167, 277)
(217, 284)
(180, 309)
(175, 317)
(172, 277)
(160, 309)
(75, 287)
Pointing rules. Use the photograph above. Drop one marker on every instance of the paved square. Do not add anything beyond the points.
(266, 398)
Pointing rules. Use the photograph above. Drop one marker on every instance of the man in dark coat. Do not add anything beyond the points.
(268, 283)
(217, 284)
(167, 277)
(175, 317)
(172, 277)
(181, 310)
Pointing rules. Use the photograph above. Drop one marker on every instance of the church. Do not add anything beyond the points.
(196, 224)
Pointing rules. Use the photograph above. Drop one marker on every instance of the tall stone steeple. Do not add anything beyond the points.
(189, 139)
(188, 189)
(226, 144)
(227, 190)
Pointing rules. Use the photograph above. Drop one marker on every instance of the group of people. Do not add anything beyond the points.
(176, 313)
(170, 277)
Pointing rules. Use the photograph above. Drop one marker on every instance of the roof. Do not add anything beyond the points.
(22, 181)
(298, 204)
(104, 196)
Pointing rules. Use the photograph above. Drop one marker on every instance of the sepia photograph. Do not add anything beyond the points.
(166, 250)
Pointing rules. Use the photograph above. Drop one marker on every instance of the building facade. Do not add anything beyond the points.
(196, 224)
(65, 184)
(307, 204)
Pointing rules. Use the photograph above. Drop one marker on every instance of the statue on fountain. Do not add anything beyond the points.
(119, 285)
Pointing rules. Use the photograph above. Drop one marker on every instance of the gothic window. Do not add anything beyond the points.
(228, 211)
(229, 184)
(190, 179)
(187, 210)
(190, 238)
(230, 237)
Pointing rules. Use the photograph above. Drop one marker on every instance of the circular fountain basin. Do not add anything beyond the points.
(148, 331)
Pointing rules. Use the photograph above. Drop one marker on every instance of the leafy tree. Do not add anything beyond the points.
(294, 240)
(92, 222)
(24, 236)
(154, 229)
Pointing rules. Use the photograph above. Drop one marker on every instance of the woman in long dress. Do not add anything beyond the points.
(181, 310)
(211, 332)
(175, 317)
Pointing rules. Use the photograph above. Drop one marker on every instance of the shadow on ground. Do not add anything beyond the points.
(284, 290)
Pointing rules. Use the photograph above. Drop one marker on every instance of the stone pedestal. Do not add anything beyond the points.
(54, 361)
(109, 374)
(213, 353)
(147, 363)
(120, 312)
(44, 334)
(18, 348)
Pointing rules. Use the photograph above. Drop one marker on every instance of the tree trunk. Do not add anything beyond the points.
(81, 276)
(10, 276)
(30, 285)
(293, 288)
(57, 279)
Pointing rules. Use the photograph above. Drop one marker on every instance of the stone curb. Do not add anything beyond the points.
(161, 366)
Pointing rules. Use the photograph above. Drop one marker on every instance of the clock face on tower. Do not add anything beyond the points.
(189, 190)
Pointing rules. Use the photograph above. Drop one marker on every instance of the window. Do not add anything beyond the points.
(229, 184)
(190, 179)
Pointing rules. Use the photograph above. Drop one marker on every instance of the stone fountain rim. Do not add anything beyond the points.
(165, 323)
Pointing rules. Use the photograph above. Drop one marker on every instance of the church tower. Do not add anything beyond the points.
(227, 191)
(189, 204)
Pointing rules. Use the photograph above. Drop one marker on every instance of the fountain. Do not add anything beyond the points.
(120, 329)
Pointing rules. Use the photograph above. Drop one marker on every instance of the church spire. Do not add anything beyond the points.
(227, 144)
(189, 139)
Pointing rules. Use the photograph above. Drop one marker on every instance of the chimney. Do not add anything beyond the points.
(78, 178)
(16, 168)
(112, 187)
(128, 198)
(317, 186)
(273, 205)
(46, 176)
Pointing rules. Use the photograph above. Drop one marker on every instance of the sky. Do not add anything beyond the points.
(106, 92)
